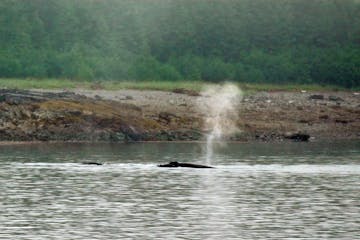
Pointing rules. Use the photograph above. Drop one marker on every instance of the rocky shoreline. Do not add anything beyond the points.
(130, 115)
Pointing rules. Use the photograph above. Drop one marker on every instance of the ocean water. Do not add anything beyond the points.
(255, 191)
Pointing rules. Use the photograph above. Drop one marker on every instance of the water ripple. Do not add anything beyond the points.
(134, 199)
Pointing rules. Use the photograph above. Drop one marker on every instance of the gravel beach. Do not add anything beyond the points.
(134, 115)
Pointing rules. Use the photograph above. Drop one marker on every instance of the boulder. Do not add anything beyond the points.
(316, 97)
(186, 91)
(297, 137)
(166, 116)
(335, 99)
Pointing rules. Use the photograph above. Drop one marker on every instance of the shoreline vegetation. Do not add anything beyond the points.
(161, 85)
(263, 42)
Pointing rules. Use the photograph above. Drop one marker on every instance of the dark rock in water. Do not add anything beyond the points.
(188, 165)
(92, 163)
(298, 137)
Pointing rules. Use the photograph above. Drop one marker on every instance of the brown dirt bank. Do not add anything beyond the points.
(130, 115)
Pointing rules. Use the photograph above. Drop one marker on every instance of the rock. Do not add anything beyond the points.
(129, 97)
(162, 136)
(118, 137)
(266, 137)
(97, 97)
(297, 137)
(77, 112)
(316, 97)
(26, 113)
(131, 133)
(9, 125)
(335, 98)
(71, 117)
(186, 91)
(304, 121)
(27, 127)
(184, 135)
(16, 97)
(324, 117)
(343, 121)
(166, 116)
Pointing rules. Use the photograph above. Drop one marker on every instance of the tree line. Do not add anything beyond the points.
(262, 41)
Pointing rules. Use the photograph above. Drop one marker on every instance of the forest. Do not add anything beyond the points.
(250, 41)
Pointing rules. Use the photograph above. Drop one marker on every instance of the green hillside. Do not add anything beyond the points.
(246, 41)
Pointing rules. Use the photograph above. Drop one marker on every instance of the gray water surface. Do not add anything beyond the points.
(256, 191)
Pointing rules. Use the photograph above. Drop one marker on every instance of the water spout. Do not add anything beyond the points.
(220, 105)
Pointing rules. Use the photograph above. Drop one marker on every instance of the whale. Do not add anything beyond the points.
(179, 164)
(167, 165)
(92, 163)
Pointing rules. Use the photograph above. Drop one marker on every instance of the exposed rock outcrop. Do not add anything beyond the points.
(101, 115)
(29, 116)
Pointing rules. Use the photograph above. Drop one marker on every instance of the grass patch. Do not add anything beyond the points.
(151, 85)
(106, 85)
(155, 85)
(29, 83)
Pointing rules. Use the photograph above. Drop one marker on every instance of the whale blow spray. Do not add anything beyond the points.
(219, 105)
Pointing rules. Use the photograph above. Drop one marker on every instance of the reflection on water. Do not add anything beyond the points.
(257, 191)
